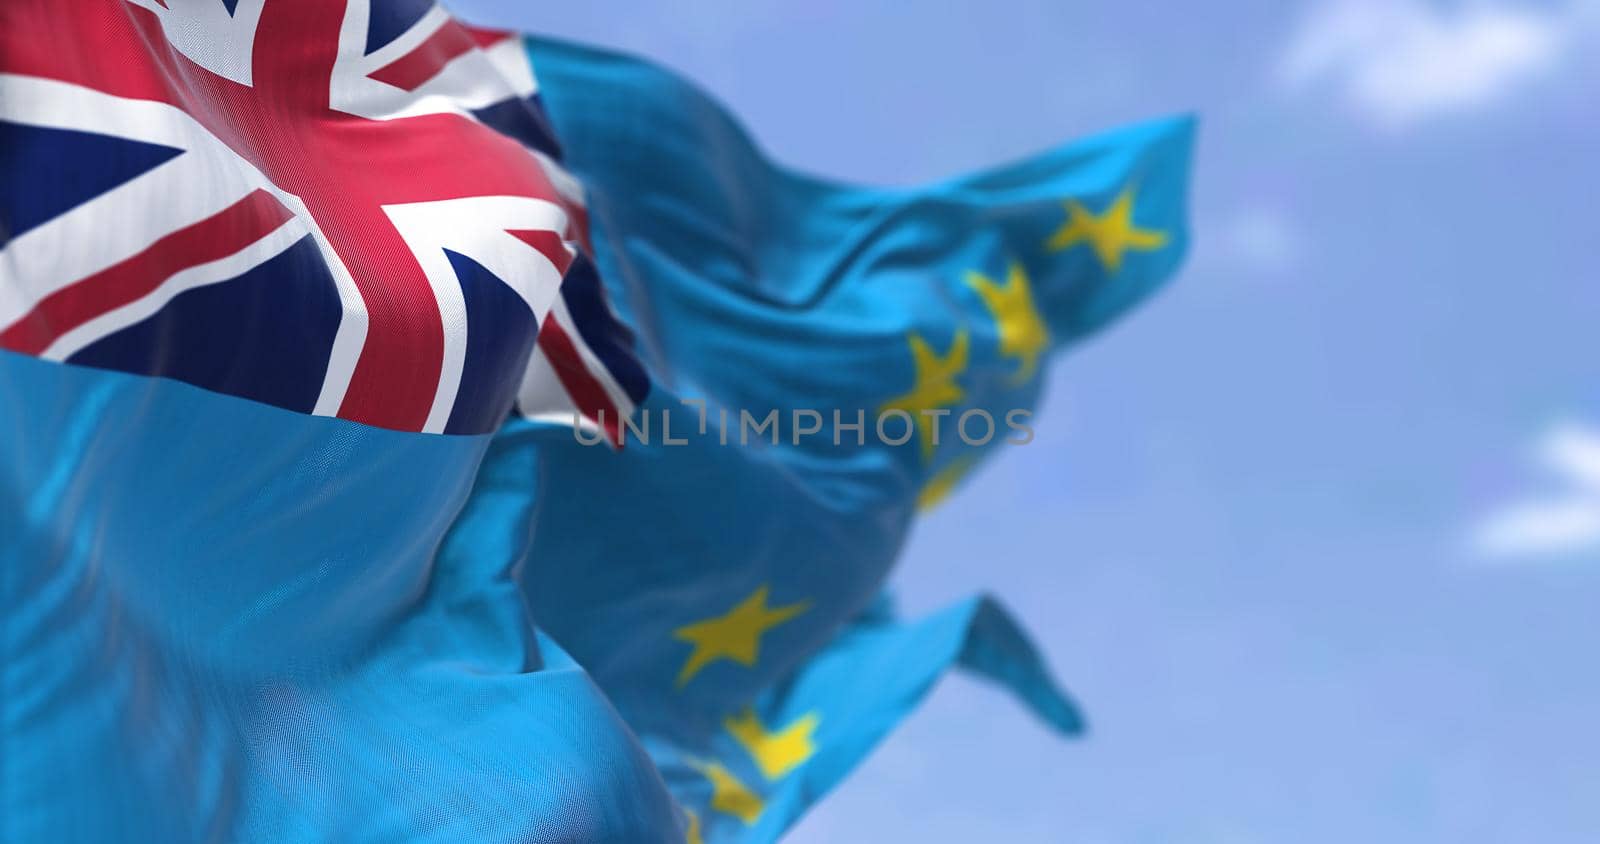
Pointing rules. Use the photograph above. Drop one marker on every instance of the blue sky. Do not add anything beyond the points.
(1315, 536)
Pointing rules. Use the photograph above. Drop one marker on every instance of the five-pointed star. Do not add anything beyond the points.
(944, 482)
(935, 385)
(728, 794)
(692, 834)
(735, 635)
(1022, 332)
(779, 752)
(1110, 234)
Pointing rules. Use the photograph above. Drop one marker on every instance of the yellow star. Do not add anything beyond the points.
(729, 795)
(1109, 234)
(1022, 332)
(935, 385)
(735, 636)
(936, 490)
(692, 834)
(776, 753)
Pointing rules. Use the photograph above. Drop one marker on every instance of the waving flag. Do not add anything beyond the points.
(225, 615)
(300, 312)
(827, 359)
(307, 205)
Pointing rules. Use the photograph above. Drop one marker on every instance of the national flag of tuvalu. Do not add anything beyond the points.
(826, 360)
(270, 275)
(307, 311)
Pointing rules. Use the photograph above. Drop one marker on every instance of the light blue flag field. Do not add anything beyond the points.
(229, 622)
(417, 432)
(268, 283)
(826, 358)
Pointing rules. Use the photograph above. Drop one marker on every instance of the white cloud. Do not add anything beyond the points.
(1553, 524)
(1399, 61)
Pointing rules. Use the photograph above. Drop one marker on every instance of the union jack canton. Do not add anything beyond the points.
(344, 209)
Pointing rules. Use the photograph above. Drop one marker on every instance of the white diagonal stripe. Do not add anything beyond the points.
(200, 275)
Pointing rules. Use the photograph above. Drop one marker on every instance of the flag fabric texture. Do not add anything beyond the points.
(308, 313)
(270, 273)
(826, 358)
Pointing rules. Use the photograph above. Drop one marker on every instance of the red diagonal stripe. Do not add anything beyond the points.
(580, 225)
(485, 37)
(131, 279)
(549, 245)
(418, 66)
(576, 379)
